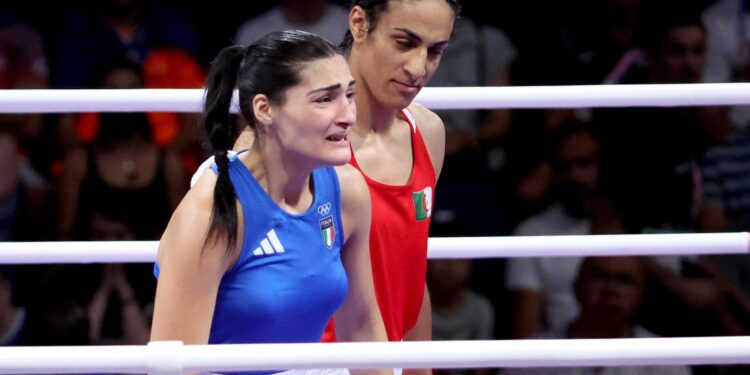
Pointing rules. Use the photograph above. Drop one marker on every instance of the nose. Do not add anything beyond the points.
(416, 64)
(347, 113)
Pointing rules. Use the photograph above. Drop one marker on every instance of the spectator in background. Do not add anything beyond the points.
(653, 153)
(150, 36)
(174, 68)
(115, 297)
(725, 207)
(315, 16)
(543, 286)
(117, 29)
(724, 204)
(478, 55)
(728, 49)
(120, 186)
(679, 302)
(588, 42)
(23, 65)
(85, 305)
(575, 162)
(609, 291)
(122, 174)
(458, 313)
(727, 57)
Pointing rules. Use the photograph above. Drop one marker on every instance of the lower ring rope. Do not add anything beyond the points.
(434, 354)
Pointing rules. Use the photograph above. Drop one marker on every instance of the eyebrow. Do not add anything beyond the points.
(417, 38)
(330, 88)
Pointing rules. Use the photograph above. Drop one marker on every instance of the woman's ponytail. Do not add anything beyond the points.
(221, 131)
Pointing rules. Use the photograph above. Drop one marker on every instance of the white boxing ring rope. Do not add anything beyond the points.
(172, 358)
(168, 358)
(438, 248)
(190, 100)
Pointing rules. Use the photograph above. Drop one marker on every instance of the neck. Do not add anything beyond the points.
(372, 114)
(287, 181)
(304, 12)
(597, 328)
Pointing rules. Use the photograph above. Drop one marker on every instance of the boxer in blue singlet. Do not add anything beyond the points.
(274, 242)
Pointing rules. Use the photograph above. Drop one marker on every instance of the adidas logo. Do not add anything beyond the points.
(269, 245)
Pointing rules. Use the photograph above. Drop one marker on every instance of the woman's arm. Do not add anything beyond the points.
(422, 330)
(189, 272)
(358, 319)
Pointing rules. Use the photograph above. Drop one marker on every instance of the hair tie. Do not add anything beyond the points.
(222, 161)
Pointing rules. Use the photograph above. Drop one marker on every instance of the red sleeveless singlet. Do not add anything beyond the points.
(398, 239)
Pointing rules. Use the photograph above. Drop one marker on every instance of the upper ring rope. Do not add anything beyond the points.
(445, 247)
(583, 96)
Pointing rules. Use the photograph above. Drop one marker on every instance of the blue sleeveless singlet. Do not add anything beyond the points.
(289, 279)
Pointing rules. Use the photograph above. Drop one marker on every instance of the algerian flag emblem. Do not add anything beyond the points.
(423, 203)
(327, 231)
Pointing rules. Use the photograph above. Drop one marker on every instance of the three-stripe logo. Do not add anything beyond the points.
(269, 245)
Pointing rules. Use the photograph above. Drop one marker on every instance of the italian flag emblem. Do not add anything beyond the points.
(327, 231)
(423, 203)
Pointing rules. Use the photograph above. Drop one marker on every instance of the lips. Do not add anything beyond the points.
(342, 137)
(406, 89)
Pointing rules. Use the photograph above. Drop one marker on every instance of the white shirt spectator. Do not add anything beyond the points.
(333, 25)
(552, 277)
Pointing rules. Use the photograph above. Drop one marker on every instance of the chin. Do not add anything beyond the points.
(338, 157)
(344, 159)
(400, 102)
(394, 99)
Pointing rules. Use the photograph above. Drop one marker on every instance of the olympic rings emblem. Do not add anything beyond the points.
(324, 209)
